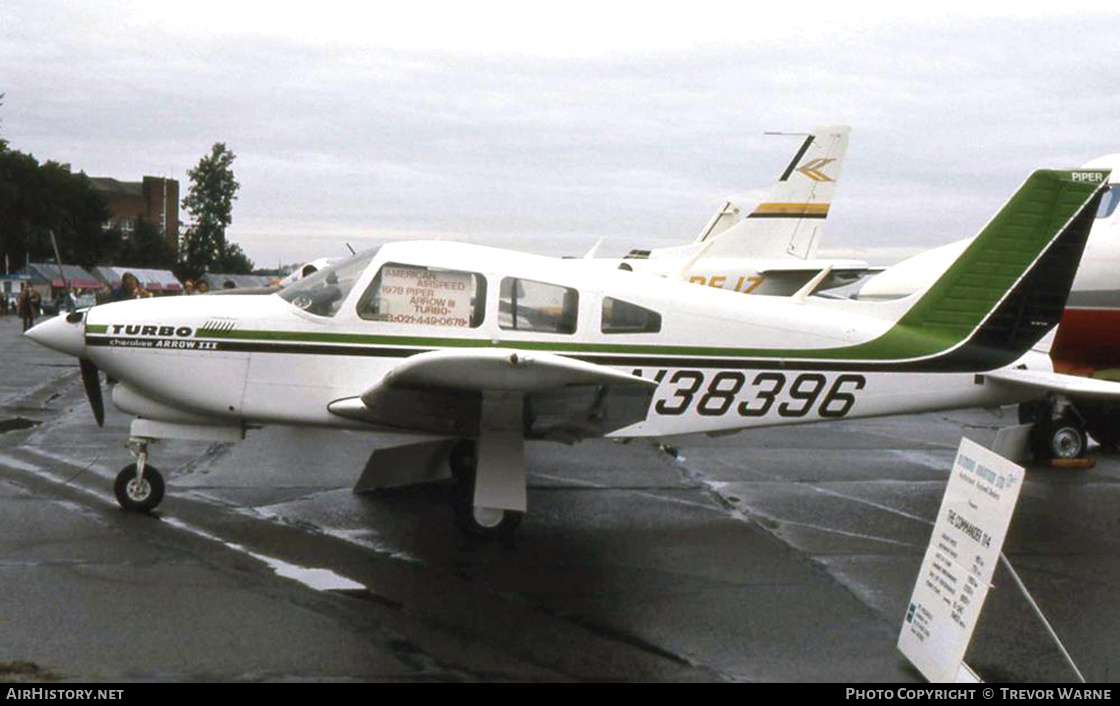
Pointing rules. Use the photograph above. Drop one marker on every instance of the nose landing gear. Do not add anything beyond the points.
(139, 486)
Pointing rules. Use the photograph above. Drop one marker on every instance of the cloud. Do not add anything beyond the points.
(548, 131)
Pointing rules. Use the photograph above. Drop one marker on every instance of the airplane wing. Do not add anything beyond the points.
(501, 369)
(1071, 385)
(441, 392)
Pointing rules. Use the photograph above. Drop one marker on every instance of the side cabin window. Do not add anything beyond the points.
(429, 296)
(624, 317)
(526, 305)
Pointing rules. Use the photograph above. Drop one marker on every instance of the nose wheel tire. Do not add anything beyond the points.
(138, 495)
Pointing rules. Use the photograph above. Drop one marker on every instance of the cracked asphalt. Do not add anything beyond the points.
(774, 555)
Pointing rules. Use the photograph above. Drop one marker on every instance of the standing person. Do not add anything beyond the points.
(129, 288)
(24, 306)
(203, 287)
(188, 287)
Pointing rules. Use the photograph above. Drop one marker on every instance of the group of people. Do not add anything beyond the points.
(130, 288)
(29, 302)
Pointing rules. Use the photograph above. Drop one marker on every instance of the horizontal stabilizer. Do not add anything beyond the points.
(1071, 385)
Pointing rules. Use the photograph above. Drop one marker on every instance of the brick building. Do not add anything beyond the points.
(154, 199)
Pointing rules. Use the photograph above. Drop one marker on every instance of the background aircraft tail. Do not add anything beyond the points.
(790, 220)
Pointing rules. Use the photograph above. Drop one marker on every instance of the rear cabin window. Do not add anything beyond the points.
(526, 305)
(624, 317)
(427, 296)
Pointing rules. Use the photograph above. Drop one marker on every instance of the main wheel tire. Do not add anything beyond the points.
(1061, 438)
(142, 496)
(476, 522)
(485, 523)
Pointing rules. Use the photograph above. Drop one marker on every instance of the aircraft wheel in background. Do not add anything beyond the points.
(1060, 438)
(141, 496)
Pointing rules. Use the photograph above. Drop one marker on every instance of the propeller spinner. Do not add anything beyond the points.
(66, 334)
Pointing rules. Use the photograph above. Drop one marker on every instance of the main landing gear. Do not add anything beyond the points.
(472, 520)
(139, 486)
(1058, 432)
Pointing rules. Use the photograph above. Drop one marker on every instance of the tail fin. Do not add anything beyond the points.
(1008, 288)
(790, 221)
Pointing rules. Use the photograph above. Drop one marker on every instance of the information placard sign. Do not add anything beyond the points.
(418, 295)
(960, 561)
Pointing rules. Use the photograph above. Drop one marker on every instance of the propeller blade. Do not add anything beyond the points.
(91, 379)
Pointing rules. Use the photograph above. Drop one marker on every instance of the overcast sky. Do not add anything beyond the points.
(549, 127)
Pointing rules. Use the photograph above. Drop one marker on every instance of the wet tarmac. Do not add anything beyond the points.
(772, 555)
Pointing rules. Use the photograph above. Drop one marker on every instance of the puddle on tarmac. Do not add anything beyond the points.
(17, 424)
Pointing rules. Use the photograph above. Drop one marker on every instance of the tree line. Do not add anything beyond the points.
(37, 199)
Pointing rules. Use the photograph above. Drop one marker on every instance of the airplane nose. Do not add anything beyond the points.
(65, 333)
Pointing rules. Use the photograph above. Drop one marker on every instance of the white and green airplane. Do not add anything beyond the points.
(481, 349)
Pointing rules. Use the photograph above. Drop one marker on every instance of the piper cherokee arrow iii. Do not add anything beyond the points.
(482, 349)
